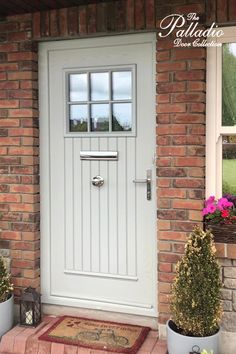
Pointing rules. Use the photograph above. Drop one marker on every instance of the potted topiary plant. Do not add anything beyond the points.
(195, 298)
(6, 299)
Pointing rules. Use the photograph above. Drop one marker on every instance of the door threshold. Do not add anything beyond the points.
(58, 310)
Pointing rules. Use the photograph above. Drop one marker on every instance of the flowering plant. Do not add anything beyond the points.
(221, 211)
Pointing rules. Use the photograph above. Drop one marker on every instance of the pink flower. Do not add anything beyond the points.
(210, 200)
(211, 208)
(224, 203)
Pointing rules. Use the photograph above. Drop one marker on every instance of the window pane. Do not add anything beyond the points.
(121, 117)
(229, 85)
(121, 85)
(78, 87)
(229, 164)
(100, 117)
(79, 118)
(99, 86)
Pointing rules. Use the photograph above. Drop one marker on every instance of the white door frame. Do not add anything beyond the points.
(45, 153)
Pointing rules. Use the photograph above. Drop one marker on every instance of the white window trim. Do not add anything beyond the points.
(214, 130)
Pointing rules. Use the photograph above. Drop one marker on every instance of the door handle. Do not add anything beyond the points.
(98, 181)
(148, 181)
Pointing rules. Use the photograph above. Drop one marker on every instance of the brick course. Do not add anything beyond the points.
(180, 129)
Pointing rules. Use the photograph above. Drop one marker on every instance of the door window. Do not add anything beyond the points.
(101, 101)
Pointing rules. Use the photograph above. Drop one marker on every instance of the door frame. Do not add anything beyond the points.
(45, 226)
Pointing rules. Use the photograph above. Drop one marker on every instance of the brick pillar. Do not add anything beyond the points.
(180, 147)
(19, 152)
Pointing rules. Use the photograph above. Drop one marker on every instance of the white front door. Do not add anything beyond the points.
(99, 242)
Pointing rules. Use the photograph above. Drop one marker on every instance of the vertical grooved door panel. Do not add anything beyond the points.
(122, 206)
(131, 220)
(78, 207)
(85, 194)
(104, 211)
(95, 212)
(113, 210)
(69, 204)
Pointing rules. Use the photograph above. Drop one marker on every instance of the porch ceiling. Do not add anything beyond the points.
(13, 7)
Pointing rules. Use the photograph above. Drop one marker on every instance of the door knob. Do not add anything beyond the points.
(97, 181)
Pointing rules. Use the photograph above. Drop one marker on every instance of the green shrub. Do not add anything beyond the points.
(6, 286)
(195, 300)
(227, 188)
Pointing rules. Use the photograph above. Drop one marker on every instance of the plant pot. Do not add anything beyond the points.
(222, 233)
(179, 344)
(6, 315)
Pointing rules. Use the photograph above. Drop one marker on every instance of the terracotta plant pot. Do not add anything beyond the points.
(179, 344)
(6, 315)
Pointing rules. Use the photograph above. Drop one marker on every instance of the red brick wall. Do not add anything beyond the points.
(116, 16)
(221, 11)
(180, 125)
(19, 198)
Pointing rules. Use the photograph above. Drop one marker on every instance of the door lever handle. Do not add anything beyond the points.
(148, 181)
(140, 181)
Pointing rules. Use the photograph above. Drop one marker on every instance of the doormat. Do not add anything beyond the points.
(94, 334)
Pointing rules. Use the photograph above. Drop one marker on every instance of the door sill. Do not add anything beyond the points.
(59, 310)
